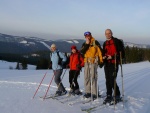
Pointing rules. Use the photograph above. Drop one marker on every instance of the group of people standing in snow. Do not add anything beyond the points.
(90, 56)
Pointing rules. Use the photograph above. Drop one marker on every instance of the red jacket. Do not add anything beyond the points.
(110, 49)
(75, 60)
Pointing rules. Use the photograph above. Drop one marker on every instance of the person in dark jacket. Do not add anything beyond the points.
(75, 64)
(111, 50)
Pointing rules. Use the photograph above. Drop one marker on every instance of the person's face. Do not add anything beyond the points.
(53, 49)
(108, 34)
(73, 50)
(88, 36)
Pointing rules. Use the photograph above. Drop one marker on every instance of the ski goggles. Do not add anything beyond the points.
(87, 33)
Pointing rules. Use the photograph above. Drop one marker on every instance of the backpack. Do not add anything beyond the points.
(79, 56)
(59, 58)
(68, 59)
(120, 47)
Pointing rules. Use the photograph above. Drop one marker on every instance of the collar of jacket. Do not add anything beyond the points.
(92, 43)
(109, 38)
(55, 51)
(75, 53)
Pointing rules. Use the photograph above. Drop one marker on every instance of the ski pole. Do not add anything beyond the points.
(97, 86)
(49, 86)
(97, 78)
(39, 84)
(115, 84)
(122, 78)
(91, 82)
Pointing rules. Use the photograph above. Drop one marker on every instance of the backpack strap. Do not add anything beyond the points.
(79, 58)
(50, 56)
(58, 54)
(98, 44)
(79, 55)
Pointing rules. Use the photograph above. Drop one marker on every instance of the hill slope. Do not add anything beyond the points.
(17, 89)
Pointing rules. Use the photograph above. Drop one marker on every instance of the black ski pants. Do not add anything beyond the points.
(109, 69)
(73, 76)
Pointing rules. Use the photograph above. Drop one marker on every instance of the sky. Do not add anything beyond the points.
(56, 19)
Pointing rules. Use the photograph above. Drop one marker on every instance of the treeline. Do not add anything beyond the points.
(41, 61)
(134, 54)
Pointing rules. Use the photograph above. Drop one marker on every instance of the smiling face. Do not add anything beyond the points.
(53, 49)
(88, 37)
(108, 33)
(74, 50)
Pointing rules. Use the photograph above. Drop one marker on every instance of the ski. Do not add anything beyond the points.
(89, 100)
(86, 101)
(48, 96)
(112, 103)
(53, 96)
(89, 108)
(82, 100)
(79, 100)
(73, 99)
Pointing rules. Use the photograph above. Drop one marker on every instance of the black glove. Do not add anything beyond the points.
(78, 67)
(63, 64)
(67, 66)
(50, 65)
(101, 65)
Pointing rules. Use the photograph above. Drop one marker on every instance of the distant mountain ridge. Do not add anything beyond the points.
(23, 45)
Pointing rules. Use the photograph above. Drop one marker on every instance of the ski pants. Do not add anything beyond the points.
(90, 78)
(73, 76)
(109, 69)
(58, 74)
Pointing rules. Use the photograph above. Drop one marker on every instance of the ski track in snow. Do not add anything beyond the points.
(16, 92)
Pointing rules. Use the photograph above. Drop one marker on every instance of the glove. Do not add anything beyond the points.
(78, 67)
(50, 65)
(67, 66)
(101, 65)
(63, 64)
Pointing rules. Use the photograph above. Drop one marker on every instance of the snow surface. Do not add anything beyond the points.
(17, 88)
(46, 45)
(23, 42)
(7, 65)
(75, 41)
(69, 41)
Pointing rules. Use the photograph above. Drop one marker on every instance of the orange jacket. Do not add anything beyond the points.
(93, 52)
(76, 60)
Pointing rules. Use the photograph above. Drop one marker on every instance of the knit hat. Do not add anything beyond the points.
(73, 47)
(87, 33)
(53, 45)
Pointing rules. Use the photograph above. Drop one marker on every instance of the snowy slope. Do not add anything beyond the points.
(18, 86)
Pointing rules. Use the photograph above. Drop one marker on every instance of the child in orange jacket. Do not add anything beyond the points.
(75, 64)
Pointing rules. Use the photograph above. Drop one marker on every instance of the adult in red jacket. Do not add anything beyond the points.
(75, 64)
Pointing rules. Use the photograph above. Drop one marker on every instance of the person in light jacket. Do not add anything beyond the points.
(58, 60)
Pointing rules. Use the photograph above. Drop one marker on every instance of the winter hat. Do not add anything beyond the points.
(87, 33)
(53, 46)
(73, 47)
